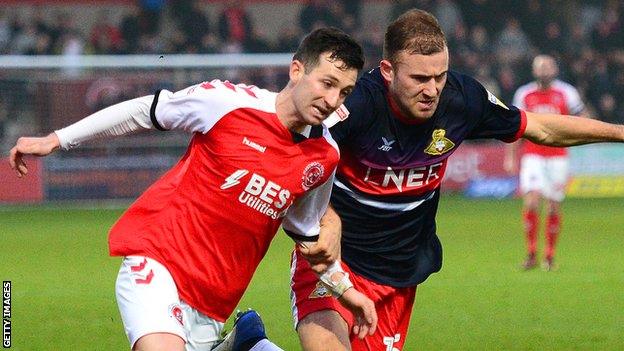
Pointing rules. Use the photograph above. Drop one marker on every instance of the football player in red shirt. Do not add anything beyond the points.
(257, 160)
(543, 169)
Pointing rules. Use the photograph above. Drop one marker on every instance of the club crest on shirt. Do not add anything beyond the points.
(312, 174)
(320, 291)
(439, 143)
(175, 311)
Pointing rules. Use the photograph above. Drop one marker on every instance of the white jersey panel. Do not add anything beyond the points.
(199, 107)
(573, 100)
(572, 96)
(304, 215)
(521, 93)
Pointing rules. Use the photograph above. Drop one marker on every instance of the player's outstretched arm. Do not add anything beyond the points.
(558, 130)
(119, 119)
(37, 146)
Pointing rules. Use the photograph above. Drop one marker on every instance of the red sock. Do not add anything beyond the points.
(553, 227)
(530, 230)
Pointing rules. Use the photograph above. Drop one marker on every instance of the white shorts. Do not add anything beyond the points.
(547, 175)
(149, 303)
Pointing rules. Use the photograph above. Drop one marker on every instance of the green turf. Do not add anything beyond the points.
(63, 282)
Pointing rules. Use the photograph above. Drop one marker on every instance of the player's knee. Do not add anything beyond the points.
(159, 342)
(324, 330)
(531, 200)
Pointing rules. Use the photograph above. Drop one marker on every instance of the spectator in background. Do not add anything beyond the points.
(105, 37)
(194, 24)
(316, 14)
(341, 17)
(257, 42)
(459, 47)
(25, 39)
(512, 45)
(131, 30)
(481, 13)
(43, 45)
(600, 80)
(235, 26)
(543, 169)
(607, 34)
(532, 10)
(479, 43)
(553, 40)
(353, 9)
(608, 108)
(5, 34)
(575, 42)
(372, 42)
(151, 15)
(484, 76)
(288, 39)
(448, 14)
(3, 120)
(62, 24)
(507, 82)
(39, 19)
(72, 43)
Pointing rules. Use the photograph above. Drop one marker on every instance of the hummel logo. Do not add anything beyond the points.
(233, 179)
(387, 145)
(254, 145)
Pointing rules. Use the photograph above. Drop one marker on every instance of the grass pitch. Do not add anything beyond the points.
(63, 281)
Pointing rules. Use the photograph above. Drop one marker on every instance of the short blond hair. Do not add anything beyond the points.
(417, 32)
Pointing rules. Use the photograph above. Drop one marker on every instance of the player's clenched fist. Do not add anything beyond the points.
(37, 146)
(363, 310)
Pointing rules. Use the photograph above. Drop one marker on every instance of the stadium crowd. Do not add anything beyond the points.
(492, 40)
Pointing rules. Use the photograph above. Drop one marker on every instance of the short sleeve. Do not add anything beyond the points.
(493, 118)
(198, 108)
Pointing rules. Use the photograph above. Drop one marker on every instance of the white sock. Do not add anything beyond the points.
(265, 345)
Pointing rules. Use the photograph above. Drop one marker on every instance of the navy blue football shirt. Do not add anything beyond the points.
(387, 183)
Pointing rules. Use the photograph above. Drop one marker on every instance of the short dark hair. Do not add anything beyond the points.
(415, 31)
(341, 46)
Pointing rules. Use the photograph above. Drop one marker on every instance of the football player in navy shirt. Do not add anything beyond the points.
(406, 118)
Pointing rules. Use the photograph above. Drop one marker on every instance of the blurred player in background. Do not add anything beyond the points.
(254, 154)
(543, 169)
(406, 118)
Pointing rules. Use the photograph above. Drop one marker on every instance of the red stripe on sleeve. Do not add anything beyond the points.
(521, 130)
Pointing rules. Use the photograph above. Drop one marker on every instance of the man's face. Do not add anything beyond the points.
(415, 82)
(322, 90)
(544, 70)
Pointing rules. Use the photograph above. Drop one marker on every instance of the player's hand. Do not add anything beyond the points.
(327, 249)
(37, 146)
(322, 253)
(363, 310)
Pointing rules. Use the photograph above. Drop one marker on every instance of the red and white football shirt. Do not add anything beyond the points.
(560, 98)
(210, 219)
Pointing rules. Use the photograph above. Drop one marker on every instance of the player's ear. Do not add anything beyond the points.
(297, 70)
(387, 71)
